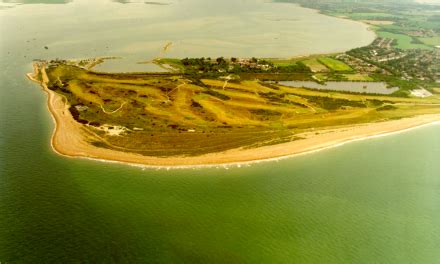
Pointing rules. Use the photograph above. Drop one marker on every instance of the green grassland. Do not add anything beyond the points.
(320, 68)
(403, 41)
(283, 62)
(325, 68)
(433, 41)
(406, 22)
(171, 114)
(312, 62)
(315, 65)
(335, 65)
(358, 77)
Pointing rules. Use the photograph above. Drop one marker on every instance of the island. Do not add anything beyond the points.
(214, 111)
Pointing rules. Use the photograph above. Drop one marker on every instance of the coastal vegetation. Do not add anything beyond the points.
(198, 112)
(335, 65)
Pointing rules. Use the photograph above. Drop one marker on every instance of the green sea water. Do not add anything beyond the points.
(374, 201)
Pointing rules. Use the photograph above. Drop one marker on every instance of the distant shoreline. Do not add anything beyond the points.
(368, 27)
(430, 2)
(68, 140)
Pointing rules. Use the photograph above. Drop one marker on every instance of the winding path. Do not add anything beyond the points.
(112, 112)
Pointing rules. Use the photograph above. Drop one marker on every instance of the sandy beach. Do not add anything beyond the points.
(68, 139)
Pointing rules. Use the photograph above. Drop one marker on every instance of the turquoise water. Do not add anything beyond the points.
(375, 201)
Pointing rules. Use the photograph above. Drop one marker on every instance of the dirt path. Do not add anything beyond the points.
(112, 112)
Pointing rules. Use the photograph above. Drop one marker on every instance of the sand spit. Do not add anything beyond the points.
(69, 139)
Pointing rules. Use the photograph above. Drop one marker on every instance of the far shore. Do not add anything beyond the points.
(68, 140)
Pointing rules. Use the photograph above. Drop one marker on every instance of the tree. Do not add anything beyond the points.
(221, 60)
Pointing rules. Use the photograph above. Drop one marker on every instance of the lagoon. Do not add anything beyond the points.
(354, 87)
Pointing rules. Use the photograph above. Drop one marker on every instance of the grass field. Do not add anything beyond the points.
(315, 65)
(434, 41)
(403, 41)
(283, 62)
(335, 65)
(358, 77)
(168, 114)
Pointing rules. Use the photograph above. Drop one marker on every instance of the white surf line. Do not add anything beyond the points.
(251, 162)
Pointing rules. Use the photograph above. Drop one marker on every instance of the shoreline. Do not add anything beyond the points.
(368, 26)
(246, 163)
(67, 140)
